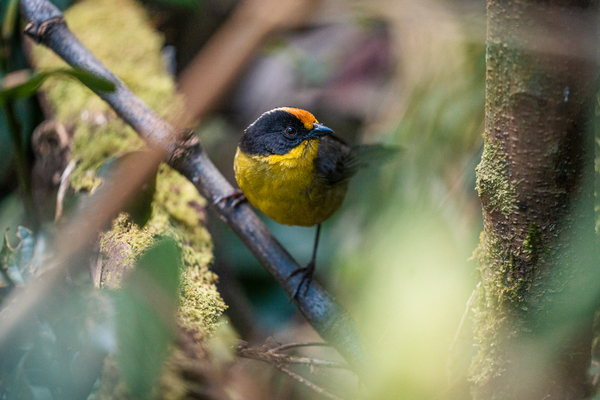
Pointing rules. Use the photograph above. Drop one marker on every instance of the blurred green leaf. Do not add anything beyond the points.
(29, 88)
(146, 310)
(10, 19)
(90, 80)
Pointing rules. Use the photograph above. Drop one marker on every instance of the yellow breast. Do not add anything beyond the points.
(286, 188)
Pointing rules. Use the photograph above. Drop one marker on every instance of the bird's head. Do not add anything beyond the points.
(280, 130)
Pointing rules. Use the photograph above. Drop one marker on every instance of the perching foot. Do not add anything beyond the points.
(307, 274)
(237, 196)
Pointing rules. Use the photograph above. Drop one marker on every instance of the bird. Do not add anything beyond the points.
(296, 171)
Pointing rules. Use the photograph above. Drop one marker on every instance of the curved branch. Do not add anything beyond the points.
(185, 154)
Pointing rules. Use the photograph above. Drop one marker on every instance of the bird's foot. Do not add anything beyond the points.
(307, 274)
(237, 196)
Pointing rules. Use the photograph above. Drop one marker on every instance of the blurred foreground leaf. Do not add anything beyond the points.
(10, 19)
(139, 207)
(17, 262)
(29, 88)
(146, 310)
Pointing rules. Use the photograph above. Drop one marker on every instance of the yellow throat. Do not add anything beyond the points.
(286, 188)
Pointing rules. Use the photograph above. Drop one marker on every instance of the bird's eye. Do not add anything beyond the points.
(290, 131)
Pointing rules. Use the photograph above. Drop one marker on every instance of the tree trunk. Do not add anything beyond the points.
(535, 181)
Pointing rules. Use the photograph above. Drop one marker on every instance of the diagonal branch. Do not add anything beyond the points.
(184, 153)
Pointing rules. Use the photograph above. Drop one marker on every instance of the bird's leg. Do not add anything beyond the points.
(237, 196)
(308, 271)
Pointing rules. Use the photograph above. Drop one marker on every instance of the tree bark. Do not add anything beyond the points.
(535, 181)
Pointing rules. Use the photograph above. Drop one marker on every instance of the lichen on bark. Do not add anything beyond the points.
(493, 184)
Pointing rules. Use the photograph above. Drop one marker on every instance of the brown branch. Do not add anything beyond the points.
(274, 356)
(278, 361)
(46, 25)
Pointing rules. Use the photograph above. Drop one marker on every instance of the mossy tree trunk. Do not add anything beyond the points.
(535, 181)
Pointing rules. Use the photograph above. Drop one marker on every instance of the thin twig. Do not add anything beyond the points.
(306, 382)
(273, 357)
(278, 361)
(62, 189)
(288, 346)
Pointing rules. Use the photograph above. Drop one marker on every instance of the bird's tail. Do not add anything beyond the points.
(376, 154)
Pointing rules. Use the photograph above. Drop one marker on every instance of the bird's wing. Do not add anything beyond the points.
(375, 154)
(335, 161)
(338, 162)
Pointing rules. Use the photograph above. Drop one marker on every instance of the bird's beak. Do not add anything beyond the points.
(320, 130)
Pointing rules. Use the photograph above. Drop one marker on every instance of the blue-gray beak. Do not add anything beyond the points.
(320, 130)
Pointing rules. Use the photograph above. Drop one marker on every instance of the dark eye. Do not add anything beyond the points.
(290, 131)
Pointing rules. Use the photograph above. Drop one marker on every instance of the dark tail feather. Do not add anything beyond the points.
(376, 154)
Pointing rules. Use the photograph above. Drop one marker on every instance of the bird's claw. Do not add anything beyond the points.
(307, 274)
(237, 196)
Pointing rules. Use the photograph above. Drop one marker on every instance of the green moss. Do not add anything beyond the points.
(497, 269)
(493, 186)
(123, 41)
(135, 239)
(501, 306)
(201, 305)
(94, 144)
(179, 210)
(491, 311)
(484, 365)
(179, 199)
(533, 244)
(175, 198)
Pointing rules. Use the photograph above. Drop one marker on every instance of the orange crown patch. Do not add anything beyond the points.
(307, 118)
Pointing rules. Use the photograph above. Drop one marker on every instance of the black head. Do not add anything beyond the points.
(280, 130)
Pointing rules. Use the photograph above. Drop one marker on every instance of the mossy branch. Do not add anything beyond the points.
(46, 25)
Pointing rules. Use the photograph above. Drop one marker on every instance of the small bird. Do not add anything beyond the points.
(294, 170)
